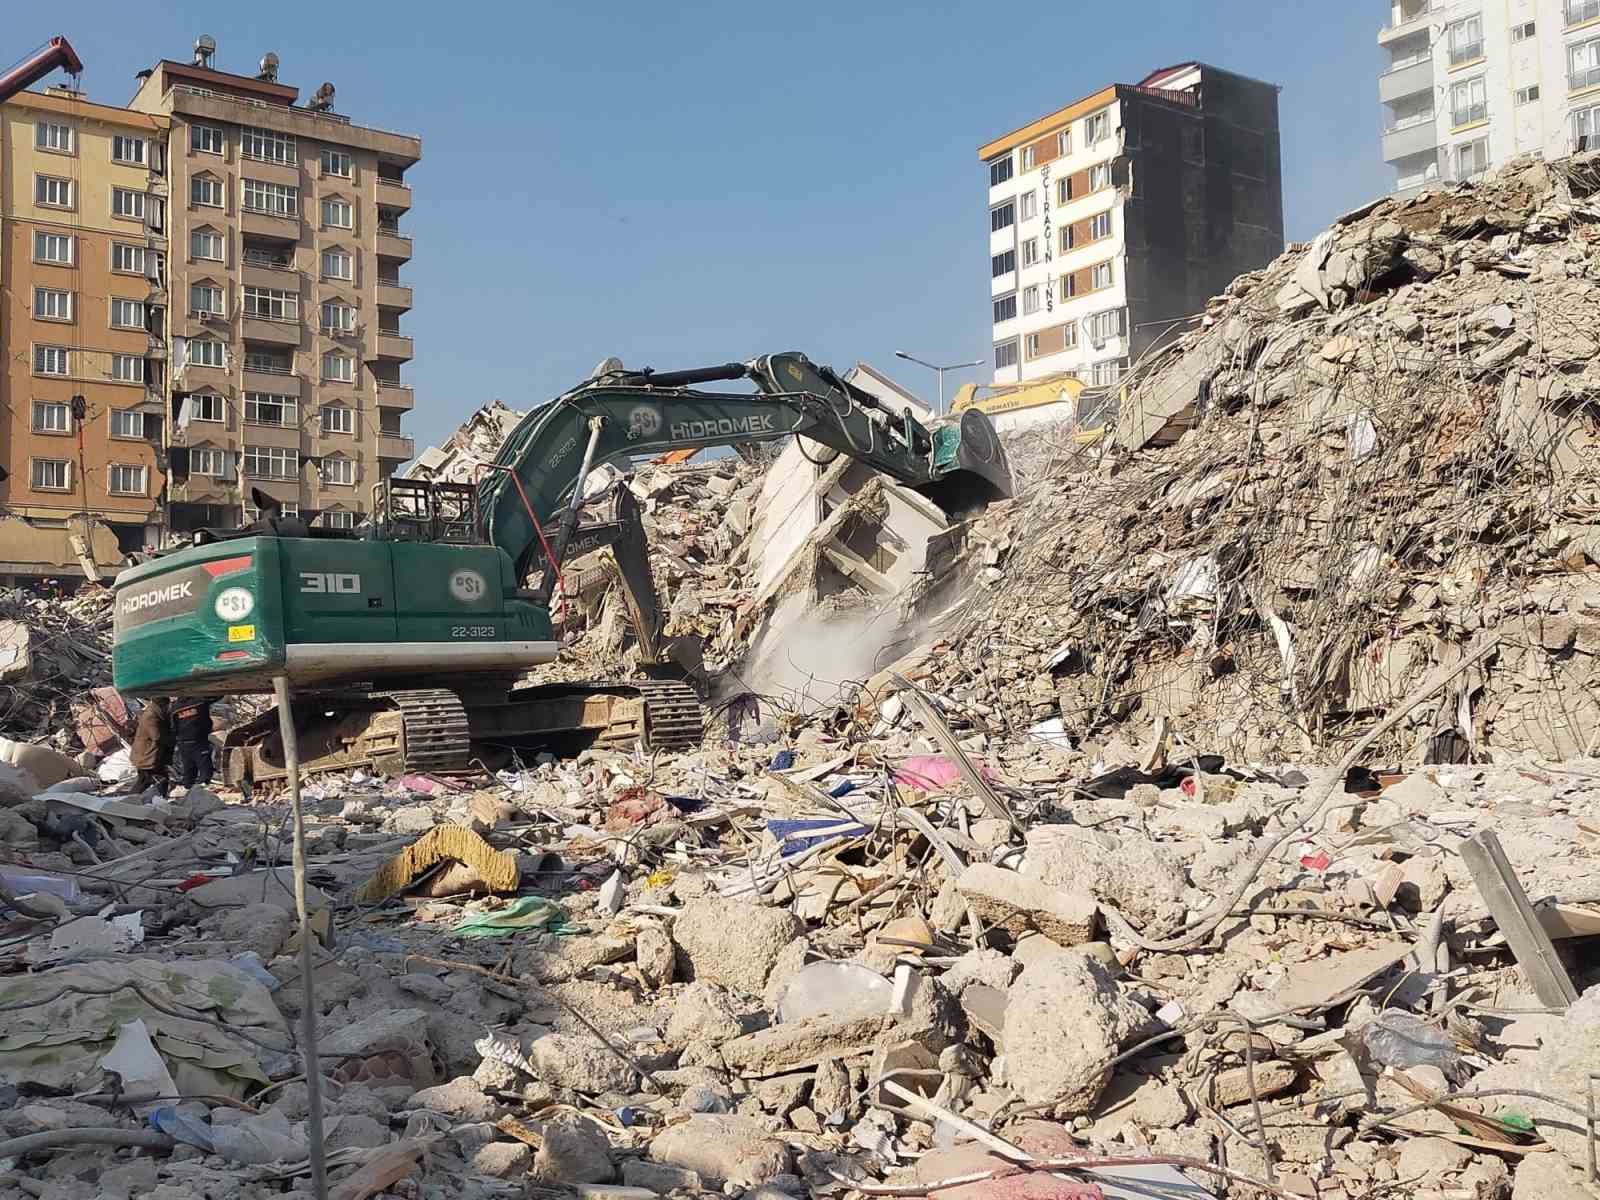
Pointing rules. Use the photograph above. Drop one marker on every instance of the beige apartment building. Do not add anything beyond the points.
(83, 302)
(288, 306)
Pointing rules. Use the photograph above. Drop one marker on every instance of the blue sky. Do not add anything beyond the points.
(680, 184)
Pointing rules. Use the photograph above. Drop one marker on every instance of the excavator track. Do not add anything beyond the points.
(673, 718)
(437, 737)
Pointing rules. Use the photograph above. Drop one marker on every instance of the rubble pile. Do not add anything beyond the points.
(1370, 458)
(52, 650)
(958, 933)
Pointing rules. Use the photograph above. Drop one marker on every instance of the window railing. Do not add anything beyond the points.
(1579, 11)
(318, 114)
(1411, 122)
(1411, 60)
(399, 183)
(1468, 53)
(260, 258)
(269, 368)
(1579, 80)
(1470, 115)
(393, 231)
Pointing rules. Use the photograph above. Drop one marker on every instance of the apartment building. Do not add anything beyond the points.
(1114, 219)
(1468, 85)
(83, 250)
(287, 322)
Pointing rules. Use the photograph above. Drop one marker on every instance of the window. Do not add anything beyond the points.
(265, 408)
(1579, 11)
(271, 304)
(52, 304)
(205, 243)
(1100, 226)
(338, 469)
(48, 135)
(1001, 216)
(336, 162)
(1194, 142)
(1030, 252)
(266, 144)
(1005, 308)
(206, 406)
(52, 191)
(127, 314)
(52, 360)
(206, 139)
(1005, 355)
(1105, 325)
(208, 461)
(999, 170)
(53, 248)
(1586, 127)
(129, 260)
(1069, 286)
(1528, 95)
(125, 202)
(338, 368)
(49, 417)
(1465, 38)
(1030, 345)
(130, 150)
(125, 480)
(336, 264)
(206, 352)
(1064, 142)
(1068, 238)
(1104, 374)
(1521, 33)
(272, 462)
(1027, 206)
(1003, 264)
(127, 424)
(1027, 158)
(1583, 65)
(1100, 276)
(204, 189)
(1069, 335)
(338, 318)
(1468, 102)
(1097, 127)
(1030, 300)
(127, 368)
(334, 518)
(337, 214)
(1099, 176)
(1472, 158)
(337, 418)
(1063, 190)
(205, 299)
(266, 360)
(51, 474)
(276, 199)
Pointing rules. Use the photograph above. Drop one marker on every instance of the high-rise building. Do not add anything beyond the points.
(1114, 219)
(287, 297)
(1467, 86)
(83, 300)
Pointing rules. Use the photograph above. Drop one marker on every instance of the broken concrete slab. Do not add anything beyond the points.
(1019, 905)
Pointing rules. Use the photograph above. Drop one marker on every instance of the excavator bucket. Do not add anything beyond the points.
(969, 465)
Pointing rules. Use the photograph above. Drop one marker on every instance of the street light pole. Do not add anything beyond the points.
(939, 371)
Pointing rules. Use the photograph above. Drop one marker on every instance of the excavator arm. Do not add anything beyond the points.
(622, 414)
(57, 52)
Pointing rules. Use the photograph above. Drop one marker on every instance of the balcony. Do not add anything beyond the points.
(258, 223)
(1582, 81)
(394, 344)
(1405, 19)
(396, 445)
(1410, 140)
(393, 244)
(1401, 82)
(1581, 12)
(394, 193)
(271, 331)
(393, 294)
(280, 381)
(396, 395)
(284, 436)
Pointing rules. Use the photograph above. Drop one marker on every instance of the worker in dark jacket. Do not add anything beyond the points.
(151, 754)
(191, 733)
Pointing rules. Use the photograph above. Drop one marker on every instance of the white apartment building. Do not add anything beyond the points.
(1113, 219)
(1470, 84)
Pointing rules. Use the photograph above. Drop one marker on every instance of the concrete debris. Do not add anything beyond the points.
(1069, 871)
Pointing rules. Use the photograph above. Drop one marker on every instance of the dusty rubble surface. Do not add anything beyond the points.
(1039, 894)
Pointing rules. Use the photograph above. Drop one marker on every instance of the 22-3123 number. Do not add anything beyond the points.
(473, 631)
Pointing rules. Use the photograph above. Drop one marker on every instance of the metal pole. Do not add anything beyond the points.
(939, 412)
(308, 1007)
(569, 518)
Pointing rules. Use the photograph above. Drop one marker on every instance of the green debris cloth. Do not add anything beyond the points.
(73, 1014)
(525, 912)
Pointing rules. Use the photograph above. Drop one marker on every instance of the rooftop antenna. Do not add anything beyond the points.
(204, 47)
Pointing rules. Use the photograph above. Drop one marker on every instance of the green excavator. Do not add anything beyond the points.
(403, 643)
